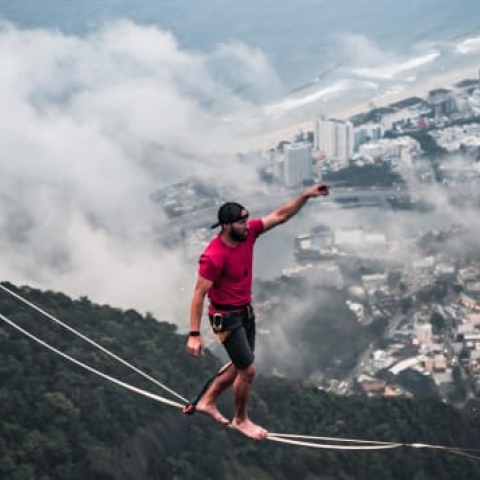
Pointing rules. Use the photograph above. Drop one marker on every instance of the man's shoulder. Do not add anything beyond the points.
(211, 260)
(214, 248)
(214, 243)
(256, 226)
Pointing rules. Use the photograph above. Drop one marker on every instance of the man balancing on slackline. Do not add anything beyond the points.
(225, 276)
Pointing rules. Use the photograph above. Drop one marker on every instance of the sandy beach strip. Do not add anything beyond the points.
(446, 79)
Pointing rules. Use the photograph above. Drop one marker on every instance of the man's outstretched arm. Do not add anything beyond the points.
(289, 209)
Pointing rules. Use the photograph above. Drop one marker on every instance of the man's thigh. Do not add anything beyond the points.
(240, 345)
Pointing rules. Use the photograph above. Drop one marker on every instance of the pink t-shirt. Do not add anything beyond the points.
(230, 268)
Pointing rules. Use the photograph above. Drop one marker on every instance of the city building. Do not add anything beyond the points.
(423, 332)
(374, 281)
(298, 164)
(442, 102)
(365, 133)
(404, 113)
(334, 139)
(326, 274)
(316, 245)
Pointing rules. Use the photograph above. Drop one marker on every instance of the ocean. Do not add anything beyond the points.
(323, 53)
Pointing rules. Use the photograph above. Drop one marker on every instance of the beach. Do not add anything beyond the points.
(446, 80)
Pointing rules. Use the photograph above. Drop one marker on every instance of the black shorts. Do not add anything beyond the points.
(237, 334)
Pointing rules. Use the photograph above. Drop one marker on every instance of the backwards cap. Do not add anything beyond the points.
(230, 212)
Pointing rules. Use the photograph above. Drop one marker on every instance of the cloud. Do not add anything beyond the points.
(360, 51)
(90, 127)
(246, 70)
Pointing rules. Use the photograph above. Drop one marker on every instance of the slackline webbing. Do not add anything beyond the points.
(291, 439)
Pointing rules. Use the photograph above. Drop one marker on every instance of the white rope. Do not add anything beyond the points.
(158, 398)
(330, 439)
(374, 445)
(462, 453)
(454, 450)
(165, 400)
(91, 342)
(334, 447)
(291, 439)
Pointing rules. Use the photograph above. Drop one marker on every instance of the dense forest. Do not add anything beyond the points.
(58, 421)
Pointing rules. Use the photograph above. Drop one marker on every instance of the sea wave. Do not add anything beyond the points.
(387, 72)
(470, 45)
(289, 104)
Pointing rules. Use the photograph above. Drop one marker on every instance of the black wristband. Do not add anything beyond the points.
(194, 333)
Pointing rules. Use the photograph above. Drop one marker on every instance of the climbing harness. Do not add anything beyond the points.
(224, 324)
(190, 408)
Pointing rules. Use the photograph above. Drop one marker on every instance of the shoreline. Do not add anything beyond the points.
(445, 80)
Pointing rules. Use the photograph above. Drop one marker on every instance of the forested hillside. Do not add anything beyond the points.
(58, 421)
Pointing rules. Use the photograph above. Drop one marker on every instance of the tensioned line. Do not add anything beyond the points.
(292, 439)
(91, 369)
(172, 403)
(92, 342)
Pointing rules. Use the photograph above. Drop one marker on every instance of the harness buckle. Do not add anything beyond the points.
(217, 322)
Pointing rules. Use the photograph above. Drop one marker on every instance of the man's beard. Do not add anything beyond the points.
(237, 236)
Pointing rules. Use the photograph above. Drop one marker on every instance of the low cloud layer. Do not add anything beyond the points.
(92, 125)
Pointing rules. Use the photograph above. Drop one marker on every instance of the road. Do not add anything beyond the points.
(261, 203)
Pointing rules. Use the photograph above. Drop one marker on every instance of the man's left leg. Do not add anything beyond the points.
(240, 345)
(208, 403)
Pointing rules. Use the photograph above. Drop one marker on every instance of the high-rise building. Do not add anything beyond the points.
(297, 167)
(334, 139)
(369, 132)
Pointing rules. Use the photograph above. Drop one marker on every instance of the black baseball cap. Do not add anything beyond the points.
(230, 212)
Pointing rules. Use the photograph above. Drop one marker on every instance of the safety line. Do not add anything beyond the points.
(456, 451)
(92, 342)
(168, 401)
(334, 447)
(274, 437)
(374, 445)
(153, 396)
(330, 439)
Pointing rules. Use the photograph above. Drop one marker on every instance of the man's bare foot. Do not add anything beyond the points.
(212, 411)
(250, 429)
